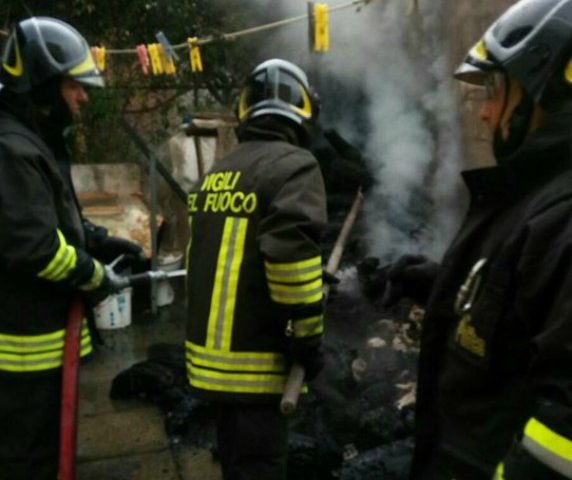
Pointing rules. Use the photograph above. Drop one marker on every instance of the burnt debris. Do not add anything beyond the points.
(357, 422)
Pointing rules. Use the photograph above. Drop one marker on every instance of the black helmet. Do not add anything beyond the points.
(532, 42)
(278, 87)
(41, 48)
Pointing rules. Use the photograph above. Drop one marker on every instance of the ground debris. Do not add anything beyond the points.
(362, 404)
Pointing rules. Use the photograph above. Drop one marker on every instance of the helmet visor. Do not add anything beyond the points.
(285, 89)
(290, 90)
(86, 72)
(476, 65)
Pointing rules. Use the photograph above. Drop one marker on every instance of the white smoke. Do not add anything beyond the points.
(399, 60)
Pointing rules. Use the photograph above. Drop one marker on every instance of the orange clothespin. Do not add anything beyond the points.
(195, 55)
(143, 58)
(155, 56)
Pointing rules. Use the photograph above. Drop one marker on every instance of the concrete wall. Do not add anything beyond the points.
(468, 21)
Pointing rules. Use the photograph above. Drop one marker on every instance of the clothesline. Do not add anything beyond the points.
(240, 33)
(160, 57)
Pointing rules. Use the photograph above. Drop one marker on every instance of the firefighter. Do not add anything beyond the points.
(255, 270)
(46, 65)
(495, 378)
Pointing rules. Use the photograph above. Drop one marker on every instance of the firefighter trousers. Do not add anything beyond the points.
(252, 441)
(30, 422)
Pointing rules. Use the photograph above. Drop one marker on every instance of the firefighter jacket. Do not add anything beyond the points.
(42, 261)
(495, 372)
(254, 264)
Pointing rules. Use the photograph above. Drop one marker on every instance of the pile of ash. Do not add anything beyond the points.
(357, 421)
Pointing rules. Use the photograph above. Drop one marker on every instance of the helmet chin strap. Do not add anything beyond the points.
(518, 126)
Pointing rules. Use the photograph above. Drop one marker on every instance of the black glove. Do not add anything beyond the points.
(411, 276)
(93, 233)
(329, 278)
(309, 354)
(109, 248)
(112, 282)
(331, 282)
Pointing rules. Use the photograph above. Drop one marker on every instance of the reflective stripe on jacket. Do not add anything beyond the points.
(42, 260)
(254, 264)
(35, 353)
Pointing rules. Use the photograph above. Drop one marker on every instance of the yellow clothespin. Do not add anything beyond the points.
(166, 61)
(155, 56)
(100, 58)
(195, 55)
(321, 27)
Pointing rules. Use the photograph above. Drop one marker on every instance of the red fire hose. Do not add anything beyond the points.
(70, 371)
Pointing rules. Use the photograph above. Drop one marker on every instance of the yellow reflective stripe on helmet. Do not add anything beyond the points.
(30, 353)
(306, 110)
(294, 272)
(18, 69)
(87, 65)
(568, 72)
(243, 108)
(62, 263)
(223, 298)
(480, 50)
(308, 326)
(548, 447)
(235, 361)
(291, 294)
(234, 382)
(96, 277)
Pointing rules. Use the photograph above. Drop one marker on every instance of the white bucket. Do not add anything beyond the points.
(115, 311)
(167, 262)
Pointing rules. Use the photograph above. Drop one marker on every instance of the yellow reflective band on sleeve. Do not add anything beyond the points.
(294, 272)
(235, 361)
(96, 277)
(223, 298)
(234, 382)
(33, 353)
(548, 447)
(62, 263)
(308, 327)
(295, 294)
